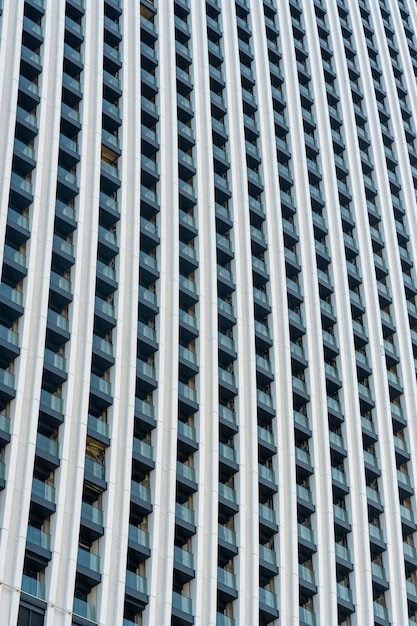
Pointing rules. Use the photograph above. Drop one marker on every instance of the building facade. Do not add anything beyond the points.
(208, 314)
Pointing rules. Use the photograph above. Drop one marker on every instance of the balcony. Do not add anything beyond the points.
(187, 438)
(268, 604)
(328, 313)
(227, 419)
(335, 409)
(228, 499)
(302, 423)
(72, 90)
(43, 496)
(98, 429)
(267, 520)
(376, 537)
(265, 403)
(138, 542)
(228, 454)
(300, 391)
(149, 300)
(33, 32)
(38, 543)
(7, 387)
(188, 291)
(225, 281)
(374, 500)
(307, 618)
(140, 496)
(69, 152)
(145, 413)
(110, 178)
(11, 302)
(95, 473)
(188, 361)
(381, 614)
(404, 484)
(345, 597)
(48, 450)
(224, 620)
(339, 482)
(183, 53)
(186, 479)
(184, 521)
(51, 407)
(365, 395)
(33, 587)
(56, 367)
(398, 416)
(70, 120)
(88, 567)
(149, 232)
(101, 390)
(114, 29)
(297, 325)
(227, 384)
(75, 29)
(92, 521)
(187, 194)
(337, 445)
(144, 453)
(341, 517)
(24, 159)
(146, 374)
(227, 348)
(262, 335)
(379, 577)
(112, 113)
(307, 578)
(27, 124)
(31, 62)
(303, 461)
(395, 384)
(225, 310)
(182, 609)
(268, 561)
(112, 88)
(226, 585)
(104, 315)
(185, 108)
(58, 327)
(183, 564)
(9, 343)
(188, 225)
(343, 558)
(267, 479)
(62, 290)
(4, 430)
(148, 27)
(84, 609)
(260, 271)
(401, 449)
(103, 353)
(136, 588)
(15, 263)
(227, 540)
(306, 541)
(188, 398)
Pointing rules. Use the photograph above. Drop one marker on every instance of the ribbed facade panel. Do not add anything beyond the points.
(208, 316)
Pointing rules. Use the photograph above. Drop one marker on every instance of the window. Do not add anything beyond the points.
(29, 617)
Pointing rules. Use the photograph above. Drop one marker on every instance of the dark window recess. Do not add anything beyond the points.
(29, 617)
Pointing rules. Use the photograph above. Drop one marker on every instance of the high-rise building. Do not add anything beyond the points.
(208, 314)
